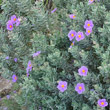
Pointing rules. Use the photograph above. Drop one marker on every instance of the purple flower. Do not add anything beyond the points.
(13, 19)
(37, 53)
(5, 108)
(83, 71)
(18, 22)
(27, 74)
(88, 24)
(14, 91)
(72, 44)
(92, 90)
(80, 88)
(8, 96)
(14, 77)
(88, 31)
(90, 1)
(15, 59)
(27, 70)
(62, 86)
(9, 25)
(29, 66)
(71, 34)
(7, 58)
(80, 36)
(53, 10)
(102, 103)
(72, 16)
(40, 108)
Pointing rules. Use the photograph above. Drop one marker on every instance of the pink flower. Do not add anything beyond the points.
(72, 16)
(88, 31)
(83, 71)
(14, 77)
(80, 88)
(71, 34)
(53, 10)
(13, 19)
(62, 86)
(90, 2)
(18, 22)
(9, 25)
(15, 59)
(102, 102)
(80, 36)
(36, 54)
(72, 44)
(88, 24)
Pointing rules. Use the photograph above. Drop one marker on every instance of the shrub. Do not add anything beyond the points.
(57, 62)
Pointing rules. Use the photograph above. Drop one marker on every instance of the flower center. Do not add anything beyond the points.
(102, 103)
(73, 16)
(14, 19)
(80, 88)
(88, 24)
(10, 26)
(62, 86)
(15, 78)
(30, 65)
(72, 35)
(91, 0)
(83, 71)
(88, 31)
(79, 36)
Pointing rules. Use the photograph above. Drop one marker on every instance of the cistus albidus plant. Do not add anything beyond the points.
(65, 54)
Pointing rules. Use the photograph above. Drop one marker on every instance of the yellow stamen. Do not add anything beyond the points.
(74, 16)
(62, 86)
(83, 71)
(89, 31)
(80, 88)
(79, 36)
(15, 78)
(14, 19)
(10, 26)
(88, 24)
(30, 65)
(72, 35)
(102, 103)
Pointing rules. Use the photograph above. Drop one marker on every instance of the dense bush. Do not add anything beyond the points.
(41, 30)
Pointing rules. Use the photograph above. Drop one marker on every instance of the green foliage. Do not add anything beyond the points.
(57, 61)
(10, 104)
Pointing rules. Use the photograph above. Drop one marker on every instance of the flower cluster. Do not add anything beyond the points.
(88, 26)
(79, 35)
(80, 87)
(11, 22)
